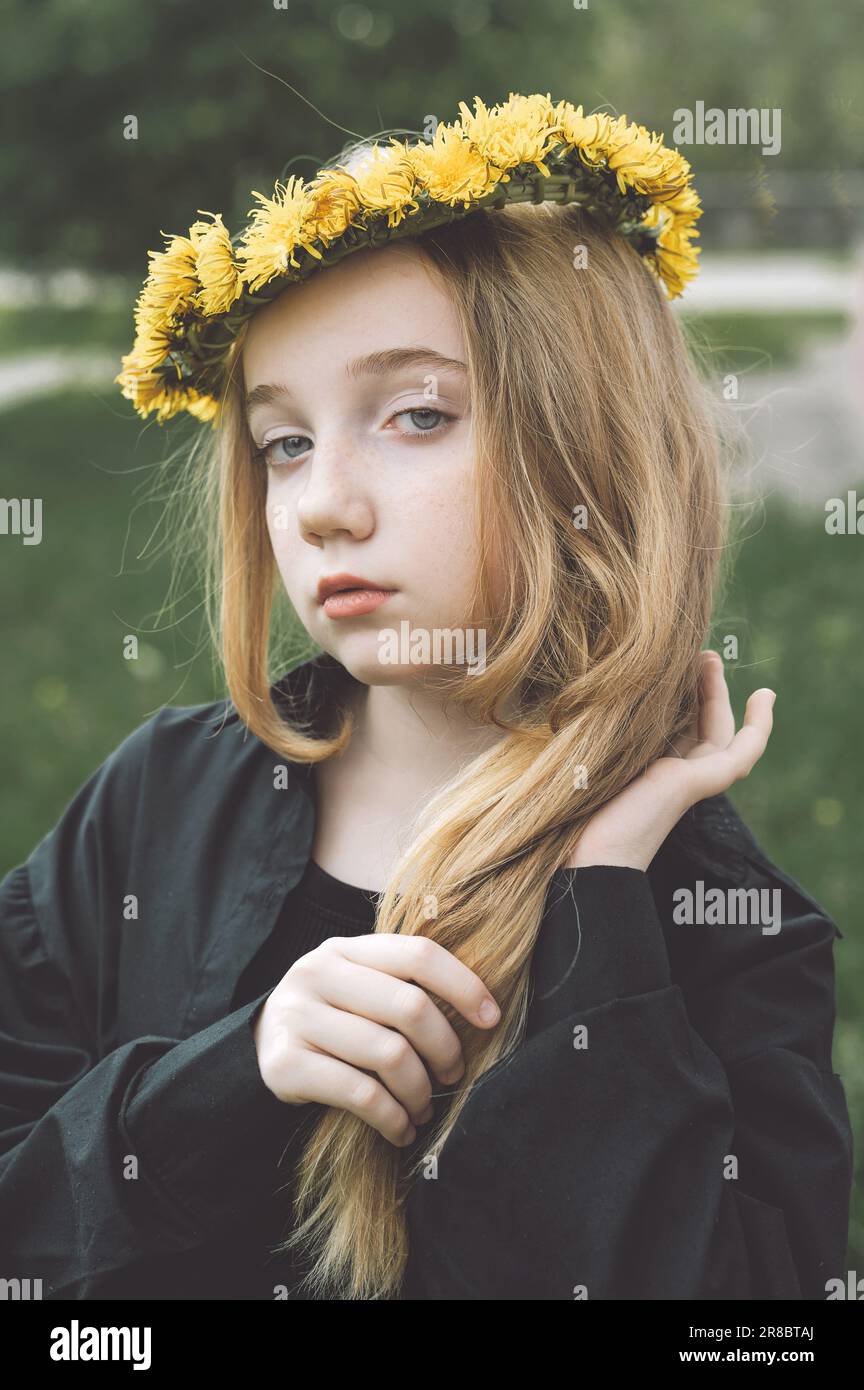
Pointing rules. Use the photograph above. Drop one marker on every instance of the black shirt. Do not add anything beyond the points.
(320, 906)
(241, 1263)
(698, 1147)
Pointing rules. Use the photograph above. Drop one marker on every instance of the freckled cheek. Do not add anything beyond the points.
(278, 512)
(438, 524)
(273, 508)
(438, 501)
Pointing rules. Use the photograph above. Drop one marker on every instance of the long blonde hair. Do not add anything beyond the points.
(584, 395)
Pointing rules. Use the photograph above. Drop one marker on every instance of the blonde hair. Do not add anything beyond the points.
(584, 394)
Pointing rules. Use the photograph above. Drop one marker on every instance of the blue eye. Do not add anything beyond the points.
(290, 440)
(287, 448)
(424, 427)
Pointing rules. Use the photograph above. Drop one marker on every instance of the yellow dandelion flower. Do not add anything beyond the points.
(221, 283)
(201, 406)
(521, 131)
(673, 259)
(152, 394)
(685, 203)
(658, 215)
(336, 203)
(277, 228)
(146, 390)
(452, 169)
(642, 162)
(152, 342)
(677, 259)
(384, 179)
(171, 284)
(590, 135)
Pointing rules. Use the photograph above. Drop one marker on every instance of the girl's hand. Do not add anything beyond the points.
(710, 756)
(350, 1008)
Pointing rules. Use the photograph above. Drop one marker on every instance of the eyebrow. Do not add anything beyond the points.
(375, 364)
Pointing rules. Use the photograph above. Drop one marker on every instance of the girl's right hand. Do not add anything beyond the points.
(351, 1007)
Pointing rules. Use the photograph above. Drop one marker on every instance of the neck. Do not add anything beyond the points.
(406, 745)
(411, 742)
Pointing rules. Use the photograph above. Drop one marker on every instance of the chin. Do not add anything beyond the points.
(360, 653)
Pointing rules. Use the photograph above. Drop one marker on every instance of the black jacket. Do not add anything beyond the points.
(697, 1147)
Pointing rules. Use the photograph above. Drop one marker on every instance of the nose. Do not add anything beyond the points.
(337, 493)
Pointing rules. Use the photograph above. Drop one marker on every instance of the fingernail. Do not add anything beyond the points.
(488, 1011)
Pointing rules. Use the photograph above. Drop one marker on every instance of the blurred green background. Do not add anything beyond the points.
(84, 205)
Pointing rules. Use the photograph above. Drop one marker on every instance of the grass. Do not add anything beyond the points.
(761, 340)
(794, 607)
(45, 329)
(69, 695)
(67, 605)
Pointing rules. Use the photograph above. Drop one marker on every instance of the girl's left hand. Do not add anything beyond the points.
(710, 756)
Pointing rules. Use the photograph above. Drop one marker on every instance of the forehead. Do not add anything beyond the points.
(373, 300)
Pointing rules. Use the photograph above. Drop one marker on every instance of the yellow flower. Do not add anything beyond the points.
(220, 279)
(336, 202)
(277, 228)
(384, 180)
(684, 203)
(521, 131)
(171, 285)
(151, 394)
(677, 259)
(146, 390)
(451, 169)
(673, 259)
(658, 215)
(202, 407)
(152, 342)
(642, 162)
(589, 134)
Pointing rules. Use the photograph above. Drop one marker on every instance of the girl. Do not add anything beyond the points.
(440, 967)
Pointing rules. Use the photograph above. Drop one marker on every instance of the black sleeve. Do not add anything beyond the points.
(622, 1152)
(107, 1159)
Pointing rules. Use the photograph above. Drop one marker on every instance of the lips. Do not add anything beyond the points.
(340, 583)
(355, 603)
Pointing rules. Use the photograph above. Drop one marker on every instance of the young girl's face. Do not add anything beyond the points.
(357, 392)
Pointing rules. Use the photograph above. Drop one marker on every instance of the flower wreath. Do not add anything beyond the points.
(203, 287)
